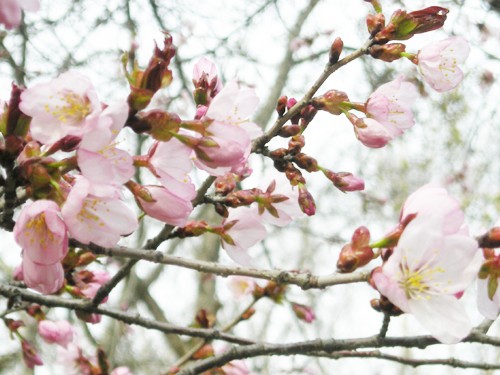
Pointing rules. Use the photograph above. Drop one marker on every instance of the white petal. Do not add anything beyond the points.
(444, 317)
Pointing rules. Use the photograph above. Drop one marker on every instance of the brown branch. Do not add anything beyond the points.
(304, 280)
(327, 345)
(451, 362)
(286, 65)
(132, 319)
(329, 69)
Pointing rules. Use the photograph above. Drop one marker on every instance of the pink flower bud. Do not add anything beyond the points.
(303, 312)
(331, 101)
(306, 201)
(30, 355)
(372, 133)
(58, 332)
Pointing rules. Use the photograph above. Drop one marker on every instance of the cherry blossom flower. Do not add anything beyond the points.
(41, 232)
(244, 230)
(231, 149)
(425, 272)
(234, 106)
(10, 11)
(241, 286)
(166, 207)
(98, 158)
(432, 199)
(100, 220)
(171, 163)
(391, 103)
(231, 129)
(60, 107)
(438, 63)
(46, 279)
(59, 332)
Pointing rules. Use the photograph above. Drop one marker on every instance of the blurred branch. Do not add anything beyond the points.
(286, 65)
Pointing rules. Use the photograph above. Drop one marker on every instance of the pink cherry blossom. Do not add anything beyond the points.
(10, 11)
(98, 158)
(59, 332)
(41, 232)
(231, 129)
(60, 107)
(167, 207)
(234, 106)
(373, 134)
(46, 279)
(438, 63)
(171, 163)
(100, 220)
(232, 149)
(427, 268)
(246, 232)
(391, 103)
(241, 286)
(432, 199)
(69, 358)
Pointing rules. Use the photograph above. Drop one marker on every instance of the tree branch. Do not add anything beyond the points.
(304, 280)
(86, 306)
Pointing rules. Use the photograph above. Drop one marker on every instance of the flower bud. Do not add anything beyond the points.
(387, 52)
(161, 125)
(303, 312)
(296, 143)
(383, 305)
(331, 101)
(491, 239)
(30, 355)
(404, 25)
(357, 253)
(281, 106)
(144, 84)
(335, 50)
(345, 181)
(274, 291)
(375, 23)
(306, 162)
(289, 131)
(306, 201)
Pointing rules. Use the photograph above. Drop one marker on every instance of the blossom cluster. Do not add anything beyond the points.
(66, 147)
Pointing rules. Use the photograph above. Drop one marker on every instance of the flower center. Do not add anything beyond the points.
(37, 231)
(419, 283)
(73, 108)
